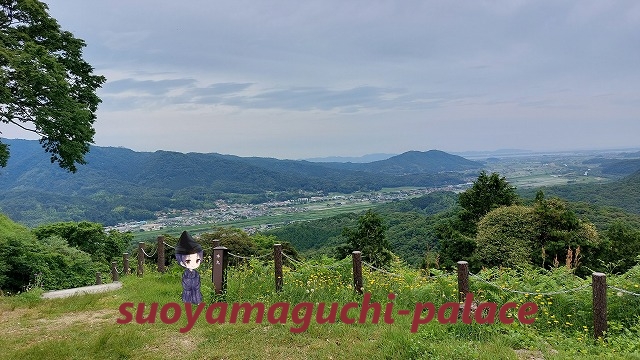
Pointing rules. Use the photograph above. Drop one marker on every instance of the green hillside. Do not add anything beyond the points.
(120, 185)
(623, 193)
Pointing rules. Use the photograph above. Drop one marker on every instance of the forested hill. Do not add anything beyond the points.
(432, 161)
(623, 193)
(119, 184)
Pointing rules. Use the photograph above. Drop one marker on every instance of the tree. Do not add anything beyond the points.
(487, 193)
(49, 262)
(621, 247)
(235, 240)
(369, 238)
(454, 245)
(540, 235)
(506, 236)
(88, 237)
(46, 87)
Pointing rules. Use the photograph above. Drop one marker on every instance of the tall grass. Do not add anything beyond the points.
(84, 327)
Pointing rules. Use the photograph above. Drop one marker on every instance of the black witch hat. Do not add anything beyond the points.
(187, 245)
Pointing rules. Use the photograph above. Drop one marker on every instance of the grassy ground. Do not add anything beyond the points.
(84, 327)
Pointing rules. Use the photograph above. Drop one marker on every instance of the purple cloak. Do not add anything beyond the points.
(191, 287)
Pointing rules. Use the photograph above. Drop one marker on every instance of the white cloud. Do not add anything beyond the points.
(332, 77)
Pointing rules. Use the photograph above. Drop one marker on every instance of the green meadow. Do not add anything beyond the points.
(85, 327)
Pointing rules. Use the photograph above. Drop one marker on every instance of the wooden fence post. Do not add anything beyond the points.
(463, 280)
(114, 271)
(214, 244)
(357, 271)
(98, 278)
(140, 259)
(160, 254)
(219, 275)
(277, 261)
(125, 264)
(599, 286)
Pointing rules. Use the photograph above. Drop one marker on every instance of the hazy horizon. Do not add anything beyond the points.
(314, 79)
(380, 156)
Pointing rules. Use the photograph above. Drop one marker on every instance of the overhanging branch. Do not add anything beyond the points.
(24, 127)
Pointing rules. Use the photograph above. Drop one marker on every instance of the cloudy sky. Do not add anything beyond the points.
(298, 79)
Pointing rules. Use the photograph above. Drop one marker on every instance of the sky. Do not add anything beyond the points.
(300, 79)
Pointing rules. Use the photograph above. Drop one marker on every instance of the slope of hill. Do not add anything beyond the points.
(623, 193)
(413, 162)
(619, 164)
(120, 184)
(360, 159)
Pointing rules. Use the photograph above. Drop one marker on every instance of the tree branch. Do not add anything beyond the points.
(25, 128)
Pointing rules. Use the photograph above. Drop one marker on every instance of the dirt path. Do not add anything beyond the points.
(82, 290)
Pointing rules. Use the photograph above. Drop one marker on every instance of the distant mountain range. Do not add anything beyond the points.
(353, 159)
(120, 184)
(412, 162)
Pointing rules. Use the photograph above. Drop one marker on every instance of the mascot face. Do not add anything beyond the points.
(191, 261)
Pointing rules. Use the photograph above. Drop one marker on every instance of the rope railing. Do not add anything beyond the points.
(294, 261)
(312, 266)
(549, 293)
(440, 275)
(380, 270)
(147, 255)
(248, 257)
(623, 290)
(220, 259)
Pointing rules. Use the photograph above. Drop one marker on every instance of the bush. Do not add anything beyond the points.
(50, 263)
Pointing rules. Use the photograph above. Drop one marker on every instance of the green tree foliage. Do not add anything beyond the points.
(506, 237)
(621, 247)
(454, 245)
(487, 193)
(369, 238)
(88, 237)
(456, 234)
(236, 240)
(541, 235)
(559, 230)
(310, 236)
(265, 245)
(49, 262)
(46, 87)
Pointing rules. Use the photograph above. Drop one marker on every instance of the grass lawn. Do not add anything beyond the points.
(84, 326)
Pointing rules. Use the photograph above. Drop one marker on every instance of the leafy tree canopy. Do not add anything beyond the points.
(88, 237)
(368, 237)
(235, 240)
(543, 234)
(49, 262)
(46, 87)
(487, 193)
